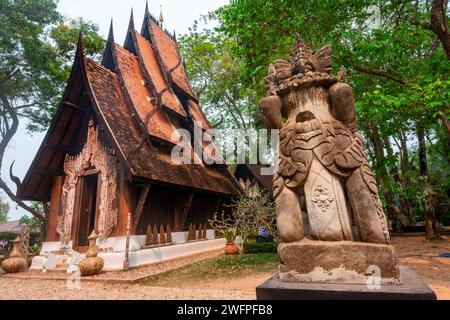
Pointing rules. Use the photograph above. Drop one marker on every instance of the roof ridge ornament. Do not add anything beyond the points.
(80, 46)
(161, 16)
(131, 23)
(111, 32)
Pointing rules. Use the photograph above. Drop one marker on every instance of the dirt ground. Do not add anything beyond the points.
(414, 251)
(422, 256)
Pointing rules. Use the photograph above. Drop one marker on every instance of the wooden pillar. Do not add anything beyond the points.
(126, 204)
(180, 217)
(140, 207)
(126, 262)
(55, 206)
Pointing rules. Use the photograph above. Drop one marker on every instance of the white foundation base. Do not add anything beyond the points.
(138, 255)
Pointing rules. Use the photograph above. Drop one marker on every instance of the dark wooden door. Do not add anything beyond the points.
(88, 206)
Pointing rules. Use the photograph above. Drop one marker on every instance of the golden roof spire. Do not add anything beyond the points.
(161, 16)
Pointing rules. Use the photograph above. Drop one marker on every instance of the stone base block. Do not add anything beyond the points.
(337, 262)
(412, 288)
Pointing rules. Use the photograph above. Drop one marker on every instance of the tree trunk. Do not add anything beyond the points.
(432, 225)
(392, 210)
(9, 114)
(439, 24)
(404, 165)
(405, 212)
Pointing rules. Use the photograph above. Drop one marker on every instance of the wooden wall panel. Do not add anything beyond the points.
(127, 200)
(55, 207)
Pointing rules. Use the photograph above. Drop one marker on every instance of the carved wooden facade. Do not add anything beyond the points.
(103, 161)
(108, 150)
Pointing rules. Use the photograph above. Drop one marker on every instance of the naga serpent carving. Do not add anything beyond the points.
(322, 155)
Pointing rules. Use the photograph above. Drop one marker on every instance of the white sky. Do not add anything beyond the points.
(179, 15)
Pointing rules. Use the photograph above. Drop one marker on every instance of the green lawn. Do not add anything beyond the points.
(230, 267)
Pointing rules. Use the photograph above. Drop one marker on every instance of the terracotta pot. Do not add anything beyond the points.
(14, 265)
(91, 266)
(231, 249)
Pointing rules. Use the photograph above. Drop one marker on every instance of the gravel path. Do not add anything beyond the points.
(38, 286)
(130, 276)
(14, 289)
(422, 256)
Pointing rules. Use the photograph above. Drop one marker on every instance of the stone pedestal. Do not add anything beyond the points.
(337, 262)
(411, 288)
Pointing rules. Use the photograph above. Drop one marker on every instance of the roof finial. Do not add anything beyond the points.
(161, 16)
(131, 23)
(111, 32)
(80, 47)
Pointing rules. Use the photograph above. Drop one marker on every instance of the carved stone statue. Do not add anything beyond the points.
(324, 188)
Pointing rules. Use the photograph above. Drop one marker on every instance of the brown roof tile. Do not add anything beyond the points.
(154, 164)
(167, 49)
(198, 114)
(159, 126)
(169, 99)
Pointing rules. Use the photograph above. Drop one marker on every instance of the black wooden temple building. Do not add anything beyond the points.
(108, 150)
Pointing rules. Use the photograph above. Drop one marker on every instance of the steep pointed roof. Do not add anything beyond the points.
(167, 50)
(141, 97)
(154, 75)
(108, 59)
(119, 95)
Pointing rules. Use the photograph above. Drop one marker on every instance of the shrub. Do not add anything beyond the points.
(7, 239)
(260, 247)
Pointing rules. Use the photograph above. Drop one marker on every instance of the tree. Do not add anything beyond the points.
(251, 211)
(4, 210)
(36, 48)
(214, 73)
(399, 69)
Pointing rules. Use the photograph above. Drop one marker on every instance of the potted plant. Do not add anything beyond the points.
(230, 235)
(226, 226)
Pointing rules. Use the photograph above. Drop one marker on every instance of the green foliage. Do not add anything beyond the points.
(36, 49)
(249, 212)
(224, 267)
(4, 210)
(35, 249)
(214, 73)
(33, 223)
(7, 239)
(398, 69)
(251, 247)
(229, 234)
(36, 52)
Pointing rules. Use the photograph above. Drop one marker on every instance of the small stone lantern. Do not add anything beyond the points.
(91, 265)
(15, 263)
